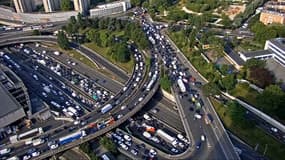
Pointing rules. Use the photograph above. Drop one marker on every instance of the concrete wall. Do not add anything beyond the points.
(35, 17)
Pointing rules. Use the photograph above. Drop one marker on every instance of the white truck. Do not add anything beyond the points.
(167, 137)
(38, 141)
(181, 85)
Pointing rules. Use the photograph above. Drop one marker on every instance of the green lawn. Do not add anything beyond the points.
(245, 93)
(253, 136)
(128, 67)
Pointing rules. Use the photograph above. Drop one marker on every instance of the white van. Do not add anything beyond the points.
(5, 151)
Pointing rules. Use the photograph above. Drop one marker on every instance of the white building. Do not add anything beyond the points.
(81, 6)
(110, 8)
(51, 5)
(274, 48)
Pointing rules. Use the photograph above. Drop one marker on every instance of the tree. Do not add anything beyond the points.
(90, 35)
(65, 5)
(237, 115)
(121, 53)
(136, 2)
(62, 40)
(108, 144)
(229, 82)
(165, 83)
(36, 32)
(260, 76)
(272, 99)
(254, 63)
(211, 89)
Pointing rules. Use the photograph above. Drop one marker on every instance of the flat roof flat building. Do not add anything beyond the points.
(15, 102)
(270, 16)
(110, 8)
(274, 48)
(82, 6)
(23, 6)
(51, 5)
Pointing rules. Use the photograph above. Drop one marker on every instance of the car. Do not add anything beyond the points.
(198, 116)
(26, 157)
(274, 129)
(76, 122)
(198, 145)
(127, 137)
(119, 116)
(128, 143)
(134, 152)
(35, 154)
(203, 137)
(174, 150)
(53, 146)
(152, 153)
(123, 107)
(147, 117)
(155, 110)
(124, 146)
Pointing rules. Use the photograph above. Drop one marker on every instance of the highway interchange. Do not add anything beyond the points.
(217, 144)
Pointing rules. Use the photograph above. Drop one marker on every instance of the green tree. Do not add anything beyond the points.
(109, 145)
(136, 2)
(211, 89)
(272, 99)
(36, 32)
(90, 35)
(121, 53)
(65, 5)
(254, 63)
(229, 82)
(237, 115)
(260, 76)
(165, 83)
(62, 40)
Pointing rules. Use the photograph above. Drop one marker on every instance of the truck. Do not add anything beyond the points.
(73, 110)
(31, 133)
(13, 158)
(181, 85)
(167, 137)
(71, 137)
(149, 85)
(106, 108)
(109, 121)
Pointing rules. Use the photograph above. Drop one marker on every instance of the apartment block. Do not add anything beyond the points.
(23, 6)
(51, 5)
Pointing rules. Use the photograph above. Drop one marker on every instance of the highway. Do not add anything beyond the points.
(196, 130)
(133, 101)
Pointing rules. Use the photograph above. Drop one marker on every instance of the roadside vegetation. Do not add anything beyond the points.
(86, 148)
(109, 145)
(106, 36)
(233, 117)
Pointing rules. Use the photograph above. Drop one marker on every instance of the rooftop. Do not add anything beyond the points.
(279, 42)
(257, 53)
(8, 104)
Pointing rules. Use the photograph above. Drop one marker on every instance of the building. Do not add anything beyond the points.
(110, 8)
(23, 6)
(272, 16)
(274, 48)
(81, 6)
(51, 5)
(15, 102)
(275, 5)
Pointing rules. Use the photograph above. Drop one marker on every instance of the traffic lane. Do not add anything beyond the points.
(217, 130)
(166, 115)
(82, 68)
(95, 57)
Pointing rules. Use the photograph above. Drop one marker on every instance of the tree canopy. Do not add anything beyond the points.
(62, 40)
(65, 5)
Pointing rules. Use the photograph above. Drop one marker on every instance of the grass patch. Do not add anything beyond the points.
(103, 51)
(245, 93)
(253, 136)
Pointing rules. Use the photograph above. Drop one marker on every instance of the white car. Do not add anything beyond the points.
(128, 143)
(152, 153)
(35, 154)
(198, 116)
(26, 157)
(127, 137)
(53, 146)
(134, 152)
(124, 146)
(123, 107)
(174, 150)
(203, 137)
(119, 116)
(76, 122)
(147, 117)
(274, 129)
